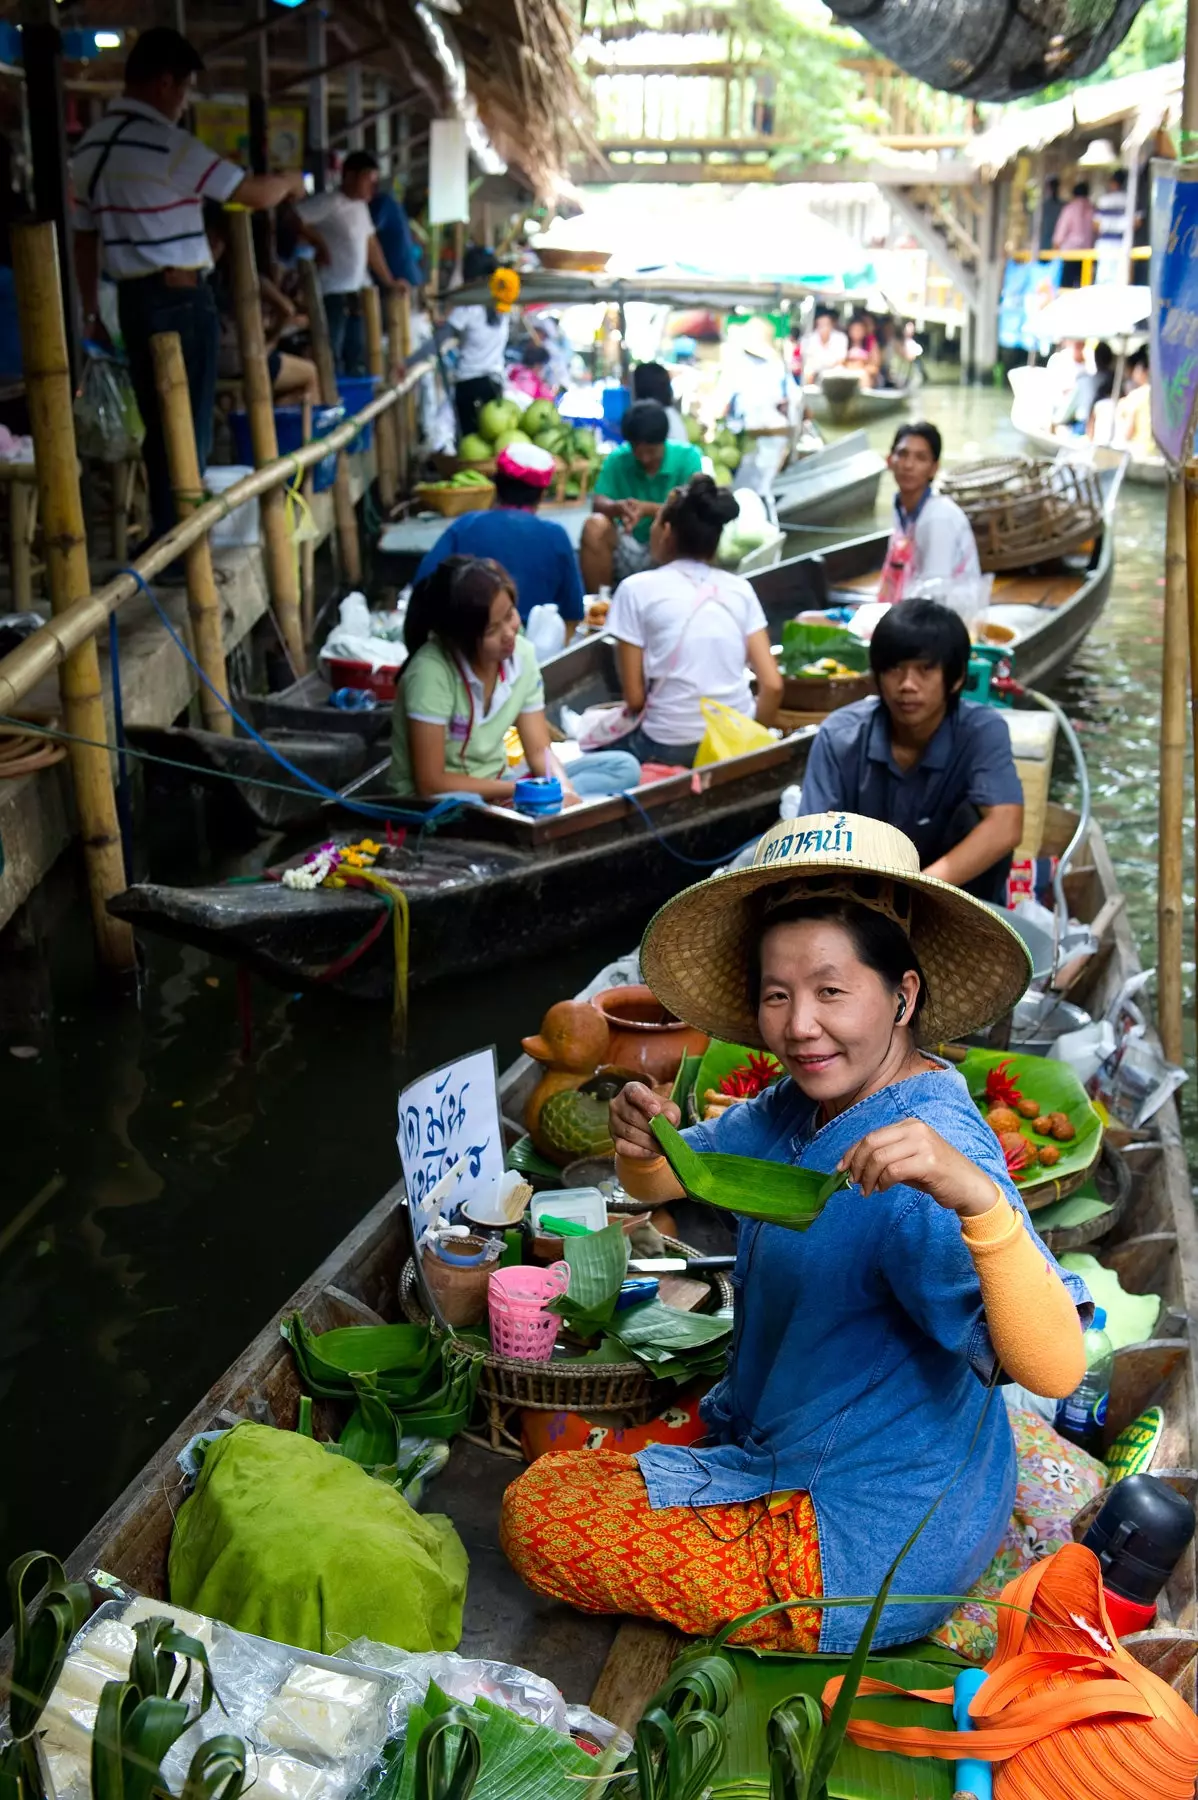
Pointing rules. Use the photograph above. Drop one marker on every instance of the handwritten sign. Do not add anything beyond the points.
(1174, 328)
(450, 1116)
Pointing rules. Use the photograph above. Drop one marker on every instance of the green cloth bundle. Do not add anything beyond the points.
(282, 1539)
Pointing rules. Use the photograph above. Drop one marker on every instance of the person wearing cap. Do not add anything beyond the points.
(633, 484)
(139, 184)
(866, 1347)
(536, 553)
(939, 768)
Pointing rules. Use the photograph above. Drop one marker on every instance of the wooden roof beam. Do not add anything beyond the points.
(282, 15)
(358, 55)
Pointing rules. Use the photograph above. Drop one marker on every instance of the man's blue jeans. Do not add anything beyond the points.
(148, 306)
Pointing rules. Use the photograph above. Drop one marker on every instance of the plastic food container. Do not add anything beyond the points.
(238, 529)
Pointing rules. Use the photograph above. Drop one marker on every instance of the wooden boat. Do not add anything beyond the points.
(261, 789)
(491, 886)
(1152, 1243)
(840, 398)
(837, 481)
(306, 706)
(1031, 415)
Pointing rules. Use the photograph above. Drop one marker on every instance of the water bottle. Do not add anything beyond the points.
(1082, 1415)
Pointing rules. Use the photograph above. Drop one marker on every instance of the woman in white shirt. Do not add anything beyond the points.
(686, 629)
(482, 344)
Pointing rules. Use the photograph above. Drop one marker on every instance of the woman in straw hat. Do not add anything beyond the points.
(857, 1387)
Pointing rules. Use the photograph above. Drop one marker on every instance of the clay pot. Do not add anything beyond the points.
(644, 1036)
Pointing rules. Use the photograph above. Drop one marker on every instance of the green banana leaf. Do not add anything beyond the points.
(41, 1639)
(525, 1157)
(598, 1265)
(217, 1771)
(138, 1721)
(655, 1332)
(718, 1060)
(515, 1757)
(684, 1082)
(406, 1367)
(803, 643)
(1057, 1089)
(1078, 1208)
(777, 1193)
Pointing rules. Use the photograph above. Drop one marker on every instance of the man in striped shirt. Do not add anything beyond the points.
(140, 183)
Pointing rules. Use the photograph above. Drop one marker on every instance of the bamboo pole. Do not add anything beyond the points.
(1180, 629)
(42, 651)
(308, 544)
(322, 354)
(203, 601)
(22, 500)
(386, 455)
(48, 390)
(281, 572)
(399, 345)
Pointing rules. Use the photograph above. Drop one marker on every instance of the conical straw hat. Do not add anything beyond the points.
(697, 951)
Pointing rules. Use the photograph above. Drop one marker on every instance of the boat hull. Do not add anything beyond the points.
(839, 481)
(249, 779)
(841, 400)
(1031, 415)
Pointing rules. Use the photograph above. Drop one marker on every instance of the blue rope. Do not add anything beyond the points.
(694, 862)
(442, 809)
(124, 793)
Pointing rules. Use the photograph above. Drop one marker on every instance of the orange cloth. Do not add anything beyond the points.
(579, 1528)
(1033, 1323)
(1065, 1709)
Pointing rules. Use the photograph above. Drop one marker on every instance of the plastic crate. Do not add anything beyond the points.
(341, 672)
(289, 431)
(357, 391)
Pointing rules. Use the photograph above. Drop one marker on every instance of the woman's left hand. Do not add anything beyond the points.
(914, 1155)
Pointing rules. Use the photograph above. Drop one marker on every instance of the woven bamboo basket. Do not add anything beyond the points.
(1025, 510)
(1112, 1177)
(577, 468)
(449, 502)
(509, 1386)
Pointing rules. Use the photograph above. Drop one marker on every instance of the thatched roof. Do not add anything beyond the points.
(1130, 109)
(518, 57)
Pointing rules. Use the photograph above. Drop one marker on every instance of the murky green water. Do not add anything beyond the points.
(162, 1194)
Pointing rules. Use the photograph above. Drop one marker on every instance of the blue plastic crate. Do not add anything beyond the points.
(356, 392)
(289, 430)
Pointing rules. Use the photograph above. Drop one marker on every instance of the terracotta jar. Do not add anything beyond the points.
(644, 1036)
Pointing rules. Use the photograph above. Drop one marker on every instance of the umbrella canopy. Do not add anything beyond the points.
(1103, 311)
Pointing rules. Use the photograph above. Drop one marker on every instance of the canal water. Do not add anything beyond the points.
(163, 1192)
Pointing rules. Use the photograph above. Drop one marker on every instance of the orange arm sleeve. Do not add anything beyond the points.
(653, 1181)
(1033, 1322)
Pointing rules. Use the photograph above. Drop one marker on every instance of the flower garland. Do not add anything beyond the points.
(321, 868)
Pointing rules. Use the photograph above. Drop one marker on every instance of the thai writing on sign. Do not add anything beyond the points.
(448, 1116)
(1174, 326)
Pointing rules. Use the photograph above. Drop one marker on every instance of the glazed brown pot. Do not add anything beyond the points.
(644, 1036)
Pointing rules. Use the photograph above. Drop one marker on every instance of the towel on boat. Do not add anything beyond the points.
(285, 1540)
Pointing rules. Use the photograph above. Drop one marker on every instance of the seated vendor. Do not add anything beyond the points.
(687, 631)
(866, 1348)
(932, 539)
(537, 553)
(469, 677)
(632, 486)
(938, 767)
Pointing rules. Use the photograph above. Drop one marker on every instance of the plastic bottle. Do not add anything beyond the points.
(1082, 1415)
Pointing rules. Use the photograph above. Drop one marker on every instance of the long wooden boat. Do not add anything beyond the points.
(837, 481)
(1031, 415)
(250, 779)
(490, 886)
(1152, 1245)
(840, 397)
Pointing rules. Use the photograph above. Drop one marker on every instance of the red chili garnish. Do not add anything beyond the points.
(751, 1078)
(1017, 1157)
(1002, 1089)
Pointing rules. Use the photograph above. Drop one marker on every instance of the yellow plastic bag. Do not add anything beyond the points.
(729, 733)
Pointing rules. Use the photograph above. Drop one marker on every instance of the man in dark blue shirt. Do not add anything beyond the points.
(918, 756)
(394, 234)
(536, 553)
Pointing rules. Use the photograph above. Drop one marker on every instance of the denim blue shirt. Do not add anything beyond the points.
(859, 1362)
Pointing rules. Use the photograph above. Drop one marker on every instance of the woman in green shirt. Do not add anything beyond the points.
(470, 676)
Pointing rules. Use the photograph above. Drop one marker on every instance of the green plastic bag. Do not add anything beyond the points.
(284, 1540)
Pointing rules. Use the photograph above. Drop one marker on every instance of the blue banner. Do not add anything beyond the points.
(1027, 289)
(1173, 336)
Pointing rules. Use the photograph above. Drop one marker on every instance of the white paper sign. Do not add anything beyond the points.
(448, 1116)
(448, 173)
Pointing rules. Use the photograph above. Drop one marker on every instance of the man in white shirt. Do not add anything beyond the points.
(340, 228)
(140, 183)
(1066, 367)
(1110, 213)
(932, 539)
(825, 346)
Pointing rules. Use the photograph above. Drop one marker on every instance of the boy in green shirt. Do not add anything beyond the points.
(634, 483)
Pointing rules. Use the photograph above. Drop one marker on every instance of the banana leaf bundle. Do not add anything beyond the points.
(403, 1368)
(674, 1346)
(776, 1193)
(485, 1751)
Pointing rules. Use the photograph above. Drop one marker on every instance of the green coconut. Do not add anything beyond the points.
(542, 415)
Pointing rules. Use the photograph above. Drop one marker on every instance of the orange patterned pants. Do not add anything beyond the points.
(578, 1527)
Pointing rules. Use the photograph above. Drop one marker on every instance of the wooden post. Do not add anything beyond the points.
(399, 345)
(308, 544)
(203, 601)
(281, 573)
(49, 391)
(322, 354)
(22, 501)
(386, 455)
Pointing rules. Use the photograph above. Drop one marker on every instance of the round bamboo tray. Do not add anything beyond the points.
(1036, 1194)
(1025, 510)
(577, 469)
(450, 502)
(582, 262)
(508, 1385)
(1113, 1180)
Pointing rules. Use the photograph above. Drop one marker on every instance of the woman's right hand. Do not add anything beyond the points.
(630, 1114)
